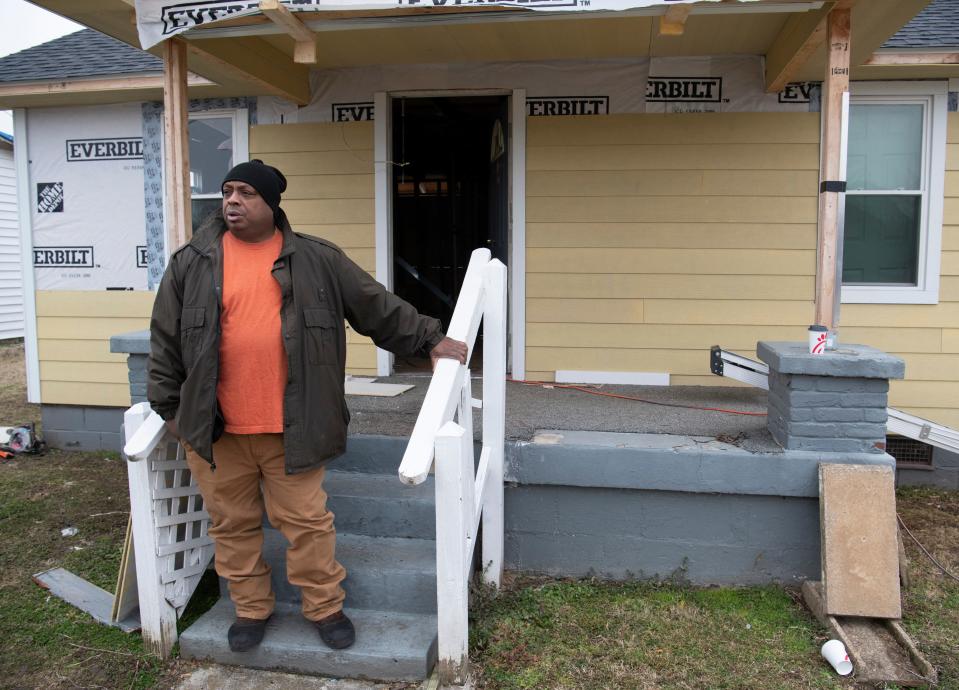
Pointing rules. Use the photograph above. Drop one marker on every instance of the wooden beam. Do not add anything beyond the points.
(903, 59)
(176, 133)
(836, 83)
(111, 84)
(265, 68)
(304, 51)
(800, 37)
(673, 21)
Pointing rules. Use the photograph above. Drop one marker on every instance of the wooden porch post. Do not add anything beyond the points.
(828, 283)
(176, 145)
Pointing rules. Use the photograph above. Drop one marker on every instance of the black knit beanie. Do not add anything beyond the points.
(265, 179)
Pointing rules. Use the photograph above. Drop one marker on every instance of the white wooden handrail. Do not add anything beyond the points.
(465, 498)
(442, 397)
(150, 429)
(170, 541)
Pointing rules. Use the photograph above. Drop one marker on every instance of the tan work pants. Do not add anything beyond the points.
(295, 504)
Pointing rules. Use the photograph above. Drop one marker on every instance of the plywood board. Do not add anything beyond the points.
(860, 556)
(126, 601)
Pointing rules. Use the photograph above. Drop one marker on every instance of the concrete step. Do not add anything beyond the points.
(389, 646)
(372, 454)
(379, 505)
(383, 573)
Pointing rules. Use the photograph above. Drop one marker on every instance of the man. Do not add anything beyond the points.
(247, 360)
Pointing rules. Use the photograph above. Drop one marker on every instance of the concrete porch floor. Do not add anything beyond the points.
(533, 408)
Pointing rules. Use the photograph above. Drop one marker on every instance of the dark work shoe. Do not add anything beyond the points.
(336, 630)
(246, 633)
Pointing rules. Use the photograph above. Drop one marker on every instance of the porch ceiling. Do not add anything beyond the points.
(252, 57)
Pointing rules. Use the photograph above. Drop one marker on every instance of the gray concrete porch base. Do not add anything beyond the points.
(617, 506)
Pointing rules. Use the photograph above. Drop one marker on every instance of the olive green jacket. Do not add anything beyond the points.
(320, 287)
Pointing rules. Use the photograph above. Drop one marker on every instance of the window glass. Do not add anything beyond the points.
(881, 239)
(202, 209)
(211, 153)
(885, 146)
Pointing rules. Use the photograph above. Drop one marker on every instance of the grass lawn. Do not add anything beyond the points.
(535, 634)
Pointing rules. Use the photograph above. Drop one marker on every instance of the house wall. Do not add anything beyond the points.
(11, 286)
(73, 333)
(329, 171)
(652, 237)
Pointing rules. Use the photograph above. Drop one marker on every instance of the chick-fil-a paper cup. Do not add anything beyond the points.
(818, 337)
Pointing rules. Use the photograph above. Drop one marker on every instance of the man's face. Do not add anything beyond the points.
(246, 214)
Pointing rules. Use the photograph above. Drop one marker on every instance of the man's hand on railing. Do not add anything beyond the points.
(171, 428)
(448, 348)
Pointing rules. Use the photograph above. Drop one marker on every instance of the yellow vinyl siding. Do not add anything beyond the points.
(329, 171)
(652, 237)
(73, 339)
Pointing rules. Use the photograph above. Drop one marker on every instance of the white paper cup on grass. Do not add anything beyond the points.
(834, 652)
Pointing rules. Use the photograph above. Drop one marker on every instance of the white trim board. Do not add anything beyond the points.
(625, 378)
(382, 202)
(383, 219)
(516, 303)
(21, 162)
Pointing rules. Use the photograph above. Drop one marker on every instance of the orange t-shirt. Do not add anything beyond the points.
(253, 366)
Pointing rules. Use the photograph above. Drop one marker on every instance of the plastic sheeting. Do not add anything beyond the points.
(86, 197)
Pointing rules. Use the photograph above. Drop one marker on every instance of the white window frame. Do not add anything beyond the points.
(241, 138)
(933, 95)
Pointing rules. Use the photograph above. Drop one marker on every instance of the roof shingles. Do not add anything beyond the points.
(85, 53)
(937, 26)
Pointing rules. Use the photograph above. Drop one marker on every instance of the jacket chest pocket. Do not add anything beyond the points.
(320, 335)
(191, 334)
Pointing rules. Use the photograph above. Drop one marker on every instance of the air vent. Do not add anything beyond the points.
(909, 453)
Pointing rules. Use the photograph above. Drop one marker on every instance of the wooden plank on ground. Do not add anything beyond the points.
(880, 650)
(85, 596)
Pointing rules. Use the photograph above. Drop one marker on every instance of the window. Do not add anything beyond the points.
(893, 215)
(218, 141)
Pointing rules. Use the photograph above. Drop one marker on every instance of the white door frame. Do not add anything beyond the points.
(383, 214)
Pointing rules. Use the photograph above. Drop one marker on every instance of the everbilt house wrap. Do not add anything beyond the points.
(656, 196)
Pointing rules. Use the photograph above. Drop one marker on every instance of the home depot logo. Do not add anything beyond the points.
(113, 149)
(184, 15)
(684, 89)
(561, 105)
(63, 257)
(49, 197)
(352, 112)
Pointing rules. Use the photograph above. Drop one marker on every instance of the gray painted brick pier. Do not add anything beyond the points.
(834, 402)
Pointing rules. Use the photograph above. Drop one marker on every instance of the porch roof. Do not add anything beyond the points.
(252, 56)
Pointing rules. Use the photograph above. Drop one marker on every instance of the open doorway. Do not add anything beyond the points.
(450, 195)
